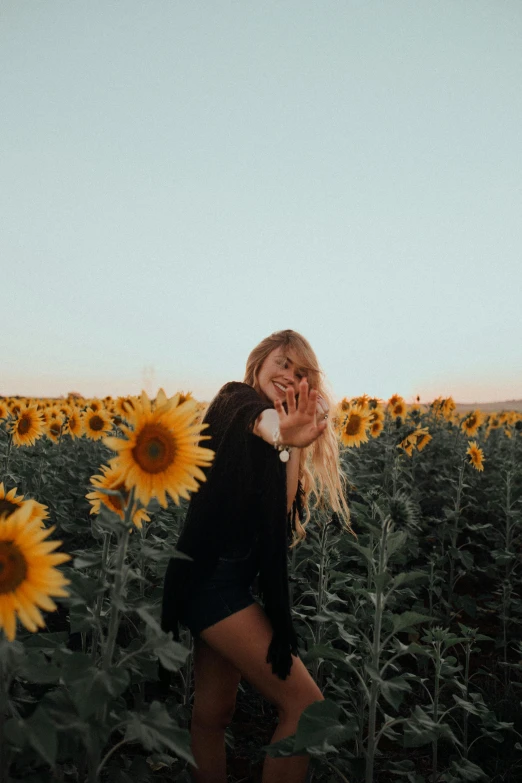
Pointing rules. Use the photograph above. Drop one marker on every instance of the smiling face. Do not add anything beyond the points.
(279, 370)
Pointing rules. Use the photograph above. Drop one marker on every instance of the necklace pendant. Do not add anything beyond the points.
(284, 456)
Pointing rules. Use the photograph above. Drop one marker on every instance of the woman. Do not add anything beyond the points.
(273, 445)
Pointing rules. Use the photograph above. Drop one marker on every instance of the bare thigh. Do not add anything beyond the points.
(215, 685)
(243, 639)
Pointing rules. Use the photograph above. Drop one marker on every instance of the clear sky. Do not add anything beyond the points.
(180, 179)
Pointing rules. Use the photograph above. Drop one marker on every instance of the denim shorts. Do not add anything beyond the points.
(226, 591)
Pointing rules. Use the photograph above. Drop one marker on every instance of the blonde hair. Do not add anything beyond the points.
(319, 464)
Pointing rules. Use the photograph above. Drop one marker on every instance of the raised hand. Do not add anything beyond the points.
(298, 427)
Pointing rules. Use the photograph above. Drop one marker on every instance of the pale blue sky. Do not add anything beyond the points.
(179, 179)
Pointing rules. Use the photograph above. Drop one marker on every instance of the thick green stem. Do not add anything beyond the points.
(115, 597)
(435, 744)
(99, 598)
(466, 696)
(118, 584)
(507, 588)
(8, 453)
(320, 598)
(376, 653)
(454, 532)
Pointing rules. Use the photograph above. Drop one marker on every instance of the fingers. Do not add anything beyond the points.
(290, 400)
(278, 405)
(307, 399)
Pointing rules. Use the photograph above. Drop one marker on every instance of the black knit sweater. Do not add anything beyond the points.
(243, 498)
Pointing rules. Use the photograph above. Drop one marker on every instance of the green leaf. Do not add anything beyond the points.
(421, 729)
(36, 668)
(87, 560)
(156, 730)
(80, 618)
(323, 652)
(393, 690)
(41, 735)
(365, 552)
(396, 541)
(172, 654)
(319, 731)
(466, 770)
(47, 641)
(475, 707)
(15, 732)
(11, 654)
(95, 688)
(407, 619)
(407, 577)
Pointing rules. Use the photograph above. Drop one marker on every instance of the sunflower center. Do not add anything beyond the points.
(155, 448)
(353, 425)
(13, 567)
(24, 424)
(114, 500)
(56, 427)
(96, 423)
(6, 507)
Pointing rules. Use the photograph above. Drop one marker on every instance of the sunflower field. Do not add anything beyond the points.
(412, 629)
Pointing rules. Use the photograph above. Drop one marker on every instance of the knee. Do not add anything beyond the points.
(296, 707)
(213, 717)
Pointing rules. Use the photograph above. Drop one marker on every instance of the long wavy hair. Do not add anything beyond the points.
(320, 470)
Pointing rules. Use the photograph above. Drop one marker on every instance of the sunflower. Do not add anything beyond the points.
(124, 405)
(27, 426)
(437, 406)
(15, 408)
(53, 428)
(423, 439)
(10, 501)
(354, 429)
(493, 421)
(160, 455)
(363, 400)
(476, 455)
(471, 423)
(397, 407)
(408, 448)
(448, 407)
(418, 438)
(376, 427)
(344, 405)
(96, 423)
(178, 399)
(74, 426)
(4, 410)
(27, 573)
(112, 480)
(95, 405)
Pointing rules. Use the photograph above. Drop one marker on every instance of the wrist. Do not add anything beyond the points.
(284, 449)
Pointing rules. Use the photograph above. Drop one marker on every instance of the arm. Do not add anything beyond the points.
(266, 424)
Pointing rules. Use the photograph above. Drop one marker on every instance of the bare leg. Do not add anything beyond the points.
(216, 681)
(243, 639)
(285, 770)
(208, 748)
